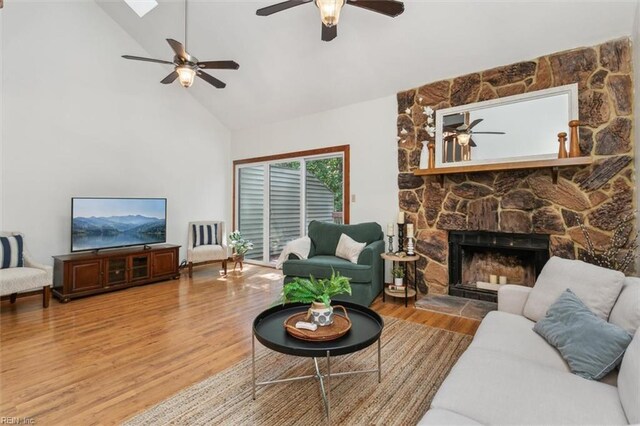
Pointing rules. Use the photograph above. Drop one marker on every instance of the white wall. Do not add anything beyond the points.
(368, 127)
(636, 77)
(78, 120)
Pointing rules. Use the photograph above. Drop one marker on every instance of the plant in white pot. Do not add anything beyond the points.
(398, 276)
(318, 292)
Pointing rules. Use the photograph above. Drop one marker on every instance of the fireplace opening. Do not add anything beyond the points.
(479, 261)
(516, 266)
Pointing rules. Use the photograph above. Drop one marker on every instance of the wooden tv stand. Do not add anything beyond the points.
(84, 274)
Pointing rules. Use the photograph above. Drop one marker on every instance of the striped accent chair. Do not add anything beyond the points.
(21, 275)
(207, 244)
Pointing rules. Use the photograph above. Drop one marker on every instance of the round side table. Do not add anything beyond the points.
(413, 292)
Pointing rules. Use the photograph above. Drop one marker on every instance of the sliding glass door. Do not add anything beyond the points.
(277, 199)
(250, 220)
(324, 190)
(284, 206)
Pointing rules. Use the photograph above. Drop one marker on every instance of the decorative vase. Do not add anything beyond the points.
(238, 259)
(320, 314)
(424, 156)
(398, 281)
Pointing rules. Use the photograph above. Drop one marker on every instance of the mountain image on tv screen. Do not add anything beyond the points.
(99, 223)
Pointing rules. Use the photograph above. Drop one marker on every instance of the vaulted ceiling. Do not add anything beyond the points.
(286, 71)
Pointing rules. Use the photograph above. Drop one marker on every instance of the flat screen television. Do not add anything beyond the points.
(101, 223)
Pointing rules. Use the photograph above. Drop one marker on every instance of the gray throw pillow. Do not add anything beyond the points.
(591, 346)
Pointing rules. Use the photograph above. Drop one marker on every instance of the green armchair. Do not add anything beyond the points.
(366, 275)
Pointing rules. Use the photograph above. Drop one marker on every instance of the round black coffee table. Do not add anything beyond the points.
(268, 329)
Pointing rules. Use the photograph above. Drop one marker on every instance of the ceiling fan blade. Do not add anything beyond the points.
(211, 80)
(475, 122)
(489, 133)
(139, 58)
(279, 7)
(386, 7)
(178, 48)
(170, 78)
(329, 33)
(450, 138)
(219, 65)
(472, 143)
(462, 128)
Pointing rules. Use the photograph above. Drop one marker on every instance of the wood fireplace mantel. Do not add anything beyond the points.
(553, 164)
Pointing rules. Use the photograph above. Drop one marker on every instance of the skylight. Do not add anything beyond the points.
(142, 7)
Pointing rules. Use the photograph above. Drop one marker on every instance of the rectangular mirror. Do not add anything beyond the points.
(515, 128)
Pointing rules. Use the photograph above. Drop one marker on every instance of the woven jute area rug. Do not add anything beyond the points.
(415, 361)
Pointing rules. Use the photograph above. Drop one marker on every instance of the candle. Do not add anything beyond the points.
(503, 279)
(493, 279)
(390, 230)
(410, 230)
(401, 218)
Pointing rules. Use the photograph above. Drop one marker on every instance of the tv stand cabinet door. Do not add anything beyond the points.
(116, 271)
(85, 275)
(164, 263)
(139, 267)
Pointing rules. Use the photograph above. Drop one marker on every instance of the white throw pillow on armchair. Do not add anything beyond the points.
(349, 249)
(597, 287)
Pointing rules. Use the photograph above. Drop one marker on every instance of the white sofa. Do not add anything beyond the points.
(511, 375)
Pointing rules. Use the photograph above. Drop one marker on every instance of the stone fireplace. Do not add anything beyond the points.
(524, 202)
(474, 256)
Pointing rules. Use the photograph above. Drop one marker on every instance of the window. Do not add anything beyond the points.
(277, 197)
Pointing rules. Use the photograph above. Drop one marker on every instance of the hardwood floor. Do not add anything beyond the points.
(102, 359)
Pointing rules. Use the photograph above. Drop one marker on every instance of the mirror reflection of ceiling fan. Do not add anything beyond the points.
(464, 132)
(458, 141)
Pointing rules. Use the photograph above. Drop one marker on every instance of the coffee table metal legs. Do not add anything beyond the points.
(328, 402)
(325, 391)
(253, 365)
(379, 363)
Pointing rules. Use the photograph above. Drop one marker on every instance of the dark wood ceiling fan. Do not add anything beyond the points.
(186, 67)
(330, 11)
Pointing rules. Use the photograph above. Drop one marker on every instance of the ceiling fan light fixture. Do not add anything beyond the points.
(463, 138)
(186, 75)
(330, 11)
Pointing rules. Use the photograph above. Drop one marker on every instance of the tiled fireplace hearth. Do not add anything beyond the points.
(475, 255)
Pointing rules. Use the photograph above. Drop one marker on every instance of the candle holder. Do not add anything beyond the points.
(410, 251)
(390, 243)
(400, 237)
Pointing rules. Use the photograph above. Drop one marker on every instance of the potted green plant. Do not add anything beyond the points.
(239, 245)
(398, 276)
(318, 292)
